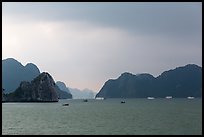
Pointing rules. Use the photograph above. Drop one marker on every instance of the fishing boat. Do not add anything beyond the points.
(122, 102)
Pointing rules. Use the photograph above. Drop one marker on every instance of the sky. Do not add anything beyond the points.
(85, 44)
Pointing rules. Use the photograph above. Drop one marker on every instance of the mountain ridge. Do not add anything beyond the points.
(14, 72)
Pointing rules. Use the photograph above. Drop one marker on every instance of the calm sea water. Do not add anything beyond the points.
(104, 117)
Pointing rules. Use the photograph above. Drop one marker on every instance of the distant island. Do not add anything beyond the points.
(180, 82)
(82, 94)
(64, 93)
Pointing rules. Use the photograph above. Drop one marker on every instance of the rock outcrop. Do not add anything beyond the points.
(180, 82)
(41, 89)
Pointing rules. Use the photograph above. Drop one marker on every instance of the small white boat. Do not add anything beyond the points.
(100, 98)
(168, 97)
(150, 97)
(190, 97)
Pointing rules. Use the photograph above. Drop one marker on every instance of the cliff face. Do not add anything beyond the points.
(42, 88)
(180, 82)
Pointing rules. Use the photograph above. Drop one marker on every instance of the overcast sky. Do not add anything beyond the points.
(85, 44)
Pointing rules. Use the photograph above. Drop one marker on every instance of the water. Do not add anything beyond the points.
(105, 117)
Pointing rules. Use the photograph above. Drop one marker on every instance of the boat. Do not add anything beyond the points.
(190, 97)
(85, 100)
(168, 97)
(150, 97)
(66, 104)
(122, 102)
(100, 98)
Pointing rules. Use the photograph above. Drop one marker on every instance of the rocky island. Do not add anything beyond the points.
(40, 89)
(180, 82)
(14, 73)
